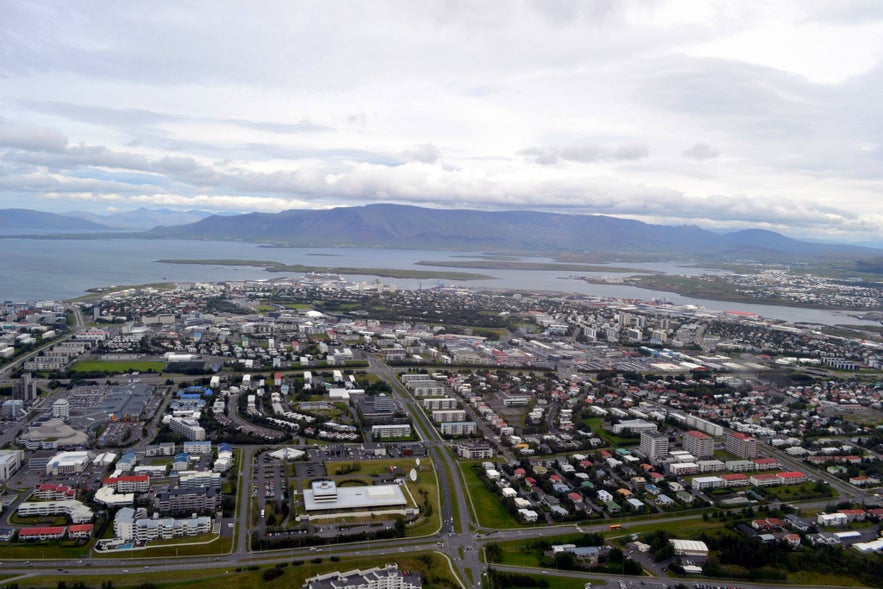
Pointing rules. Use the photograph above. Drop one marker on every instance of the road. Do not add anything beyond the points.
(456, 514)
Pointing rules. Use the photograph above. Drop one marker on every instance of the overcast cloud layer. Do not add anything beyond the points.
(720, 114)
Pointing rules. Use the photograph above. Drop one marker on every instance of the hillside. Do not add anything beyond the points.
(400, 226)
(27, 220)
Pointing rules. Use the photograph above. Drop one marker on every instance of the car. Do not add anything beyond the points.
(125, 570)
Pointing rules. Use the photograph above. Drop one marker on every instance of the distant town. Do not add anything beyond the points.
(330, 434)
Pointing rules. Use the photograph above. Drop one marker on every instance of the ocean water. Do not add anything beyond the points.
(40, 269)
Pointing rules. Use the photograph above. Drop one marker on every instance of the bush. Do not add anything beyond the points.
(273, 573)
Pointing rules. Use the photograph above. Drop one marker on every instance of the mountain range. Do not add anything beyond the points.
(143, 218)
(28, 220)
(581, 237)
(402, 226)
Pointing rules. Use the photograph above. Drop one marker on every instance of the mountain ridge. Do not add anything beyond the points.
(407, 226)
(28, 219)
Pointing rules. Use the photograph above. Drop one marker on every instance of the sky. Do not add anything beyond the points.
(725, 115)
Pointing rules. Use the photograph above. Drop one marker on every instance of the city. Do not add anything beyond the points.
(441, 294)
(464, 437)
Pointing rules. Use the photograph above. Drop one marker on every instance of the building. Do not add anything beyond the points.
(12, 409)
(654, 445)
(708, 483)
(199, 479)
(68, 463)
(189, 428)
(129, 484)
(54, 492)
(25, 389)
(166, 528)
(475, 450)
(42, 533)
(198, 447)
(388, 577)
(61, 409)
(395, 430)
(79, 513)
(698, 444)
(689, 548)
(51, 434)
(447, 415)
(187, 500)
(458, 428)
(742, 445)
(80, 531)
(633, 426)
(832, 519)
(327, 496)
(10, 462)
(108, 496)
(433, 403)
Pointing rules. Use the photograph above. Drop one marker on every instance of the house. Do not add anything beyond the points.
(770, 524)
(792, 540)
(528, 515)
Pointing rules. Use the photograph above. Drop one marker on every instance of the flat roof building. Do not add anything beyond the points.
(698, 444)
(654, 445)
(742, 445)
(327, 496)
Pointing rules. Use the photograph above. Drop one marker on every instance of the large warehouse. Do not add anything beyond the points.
(327, 496)
(689, 548)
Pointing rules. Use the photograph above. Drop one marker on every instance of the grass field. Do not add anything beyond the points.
(41, 550)
(596, 423)
(178, 547)
(489, 509)
(118, 366)
(518, 553)
(436, 571)
(808, 490)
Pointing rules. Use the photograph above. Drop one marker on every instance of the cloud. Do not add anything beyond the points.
(594, 106)
(30, 137)
(129, 118)
(701, 151)
(585, 153)
(427, 153)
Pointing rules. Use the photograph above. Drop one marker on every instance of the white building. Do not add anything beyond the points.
(68, 463)
(10, 462)
(61, 409)
(189, 428)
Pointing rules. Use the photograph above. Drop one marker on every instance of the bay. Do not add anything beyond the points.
(54, 269)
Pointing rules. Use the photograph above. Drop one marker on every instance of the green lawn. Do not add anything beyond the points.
(519, 553)
(39, 550)
(808, 490)
(118, 366)
(428, 564)
(175, 548)
(596, 425)
(489, 508)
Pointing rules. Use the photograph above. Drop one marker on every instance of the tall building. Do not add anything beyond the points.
(25, 389)
(698, 444)
(654, 445)
(742, 445)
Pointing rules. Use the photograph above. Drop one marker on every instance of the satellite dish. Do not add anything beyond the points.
(418, 462)
(413, 475)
